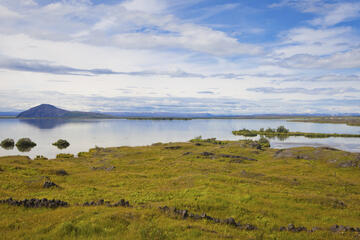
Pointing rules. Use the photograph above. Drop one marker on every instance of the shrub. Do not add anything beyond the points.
(270, 130)
(264, 142)
(65, 155)
(282, 129)
(25, 143)
(8, 143)
(61, 144)
(40, 157)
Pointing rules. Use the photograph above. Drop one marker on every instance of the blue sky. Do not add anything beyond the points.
(215, 56)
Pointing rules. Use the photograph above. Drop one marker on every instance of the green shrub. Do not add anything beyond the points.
(270, 130)
(282, 129)
(25, 144)
(65, 155)
(61, 144)
(40, 157)
(8, 143)
(264, 142)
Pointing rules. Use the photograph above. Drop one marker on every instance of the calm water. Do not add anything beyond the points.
(86, 134)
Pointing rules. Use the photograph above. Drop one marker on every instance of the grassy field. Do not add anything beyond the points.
(268, 188)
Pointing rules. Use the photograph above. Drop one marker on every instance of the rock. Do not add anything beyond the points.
(282, 229)
(291, 227)
(173, 147)
(61, 172)
(348, 164)
(314, 229)
(184, 214)
(49, 184)
(207, 154)
(229, 221)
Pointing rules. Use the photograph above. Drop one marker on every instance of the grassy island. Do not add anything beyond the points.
(203, 189)
(283, 132)
(351, 121)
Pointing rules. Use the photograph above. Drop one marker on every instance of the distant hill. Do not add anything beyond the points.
(50, 111)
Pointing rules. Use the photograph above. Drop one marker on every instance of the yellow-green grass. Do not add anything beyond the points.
(303, 186)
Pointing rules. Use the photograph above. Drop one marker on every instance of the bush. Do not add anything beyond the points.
(282, 129)
(65, 155)
(264, 142)
(61, 144)
(270, 130)
(8, 143)
(40, 157)
(25, 143)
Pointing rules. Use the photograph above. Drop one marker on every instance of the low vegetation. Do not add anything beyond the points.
(232, 190)
(283, 132)
(61, 144)
(8, 143)
(351, 121)
(25, 144)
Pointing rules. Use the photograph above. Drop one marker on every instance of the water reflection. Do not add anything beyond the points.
(53, 123)
(7, 147)
(24, 148)
(278, 137)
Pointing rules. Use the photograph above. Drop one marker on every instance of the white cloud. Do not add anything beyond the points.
(338, 13)
(343, 60)
(7, 13)
(148, 6)
(316, 41)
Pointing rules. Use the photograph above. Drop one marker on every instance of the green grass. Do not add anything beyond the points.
(303, 186)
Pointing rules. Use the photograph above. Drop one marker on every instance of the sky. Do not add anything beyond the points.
(181, 56)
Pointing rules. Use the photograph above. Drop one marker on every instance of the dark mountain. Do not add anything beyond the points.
(50, 111)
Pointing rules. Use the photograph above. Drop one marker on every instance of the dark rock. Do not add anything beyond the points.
(173, 147)
(49, 184)
(283, 229)
(207, 154)
(229, 221)
(61, 172)
(348, 164)
(184, 214)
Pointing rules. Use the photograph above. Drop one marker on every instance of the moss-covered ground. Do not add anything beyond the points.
(311, 187)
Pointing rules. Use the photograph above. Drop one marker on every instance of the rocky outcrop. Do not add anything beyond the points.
(101, 202)
(184, 214)
(35, 203)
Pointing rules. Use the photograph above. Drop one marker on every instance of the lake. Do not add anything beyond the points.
(86, 134)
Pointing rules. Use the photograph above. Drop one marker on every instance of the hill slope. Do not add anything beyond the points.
(50, 111)
(267, 188)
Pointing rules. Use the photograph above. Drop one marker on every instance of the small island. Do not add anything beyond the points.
(284, 132)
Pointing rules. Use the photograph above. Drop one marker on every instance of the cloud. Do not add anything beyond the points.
(27, 99)
(313, 91)
(342, 60)
(330, 13)
(6, 13)
(331, 78)
(316, 41)
(47, 67)
(133, 24)
(206, 92)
